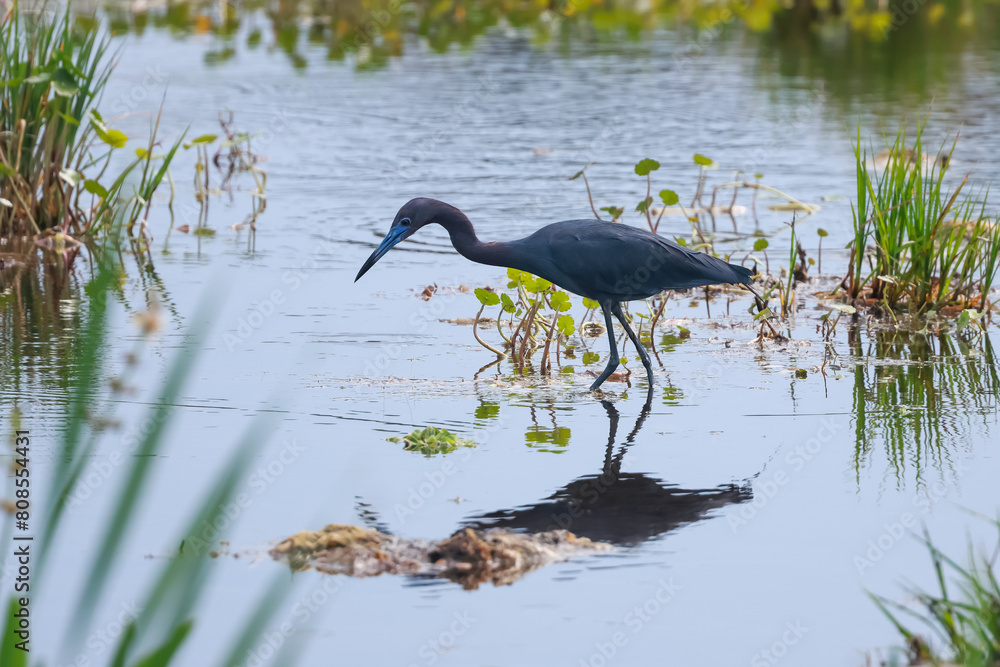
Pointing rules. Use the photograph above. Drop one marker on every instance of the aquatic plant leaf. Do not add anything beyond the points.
(41, 77)
(486, 297)
(669, 197)
(644, 167)
(203, 140)
(590, 303)
(64, 84)
(432, 440)
(560, 302)
(566, 325)
(540, 284)
(590, 358)
(963, 321)
(518, 278)
(843, 307)
(70, 177)
(111, 137)
(760, 244)
(822, 232)
(643, 205)
(95, 188)
(507, 303)
(703, 161)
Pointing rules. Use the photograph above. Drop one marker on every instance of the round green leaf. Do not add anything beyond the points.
(645, 166)
(700, 159)
(669, 197)
(95, 188)
(64, 84)
(114, 138)
(486, 297)
(759, 244)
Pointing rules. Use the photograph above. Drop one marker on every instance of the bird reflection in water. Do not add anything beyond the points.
(621, 508)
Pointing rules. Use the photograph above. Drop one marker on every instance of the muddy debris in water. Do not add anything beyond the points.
(468, 321)
(468, 557)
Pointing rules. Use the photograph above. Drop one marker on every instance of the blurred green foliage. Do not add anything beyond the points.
(374, 30)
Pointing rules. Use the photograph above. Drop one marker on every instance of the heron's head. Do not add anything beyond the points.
(415, 214)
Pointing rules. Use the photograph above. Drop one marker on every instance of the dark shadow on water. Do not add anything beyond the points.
(621, 508)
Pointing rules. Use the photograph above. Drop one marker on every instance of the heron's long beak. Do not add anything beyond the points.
(394, 236)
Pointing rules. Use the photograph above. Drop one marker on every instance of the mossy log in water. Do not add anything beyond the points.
(469, 557)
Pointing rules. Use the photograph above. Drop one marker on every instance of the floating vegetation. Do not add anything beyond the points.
(233, 156)
(431, 441)
(933, 249)
(469, 557)
(967, 622)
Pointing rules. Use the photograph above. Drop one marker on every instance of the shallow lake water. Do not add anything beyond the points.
(751, 508)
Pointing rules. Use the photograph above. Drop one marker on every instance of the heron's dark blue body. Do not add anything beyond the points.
(605, 261)
(608, 261)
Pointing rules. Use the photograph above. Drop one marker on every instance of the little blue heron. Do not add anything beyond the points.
(604, 261)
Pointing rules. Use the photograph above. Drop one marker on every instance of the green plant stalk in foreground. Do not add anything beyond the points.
(968, 623)
(168, 610)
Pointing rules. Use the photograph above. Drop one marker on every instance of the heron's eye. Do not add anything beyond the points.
(405, 222)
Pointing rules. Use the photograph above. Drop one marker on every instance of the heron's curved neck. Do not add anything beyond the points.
(463, 237)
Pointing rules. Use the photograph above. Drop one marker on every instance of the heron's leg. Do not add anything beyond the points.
(613, 361)
(617, 310)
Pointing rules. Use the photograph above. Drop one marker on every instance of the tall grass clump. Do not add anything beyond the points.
(933, 247)
(56, 150)
(964, 614)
